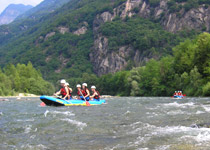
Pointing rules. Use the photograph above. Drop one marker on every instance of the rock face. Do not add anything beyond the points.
(49, 35)
(196, 18)
(12, 12)
(63, 30)
(105, 61)
(80, 31)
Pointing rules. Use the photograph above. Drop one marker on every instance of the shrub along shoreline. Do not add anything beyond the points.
(23, 79)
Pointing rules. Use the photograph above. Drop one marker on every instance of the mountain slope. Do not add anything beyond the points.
(94, 36)
(44, 8)
(28, 20)
(12, 12)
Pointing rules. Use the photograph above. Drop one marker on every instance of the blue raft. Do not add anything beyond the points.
(51, 101)
(178, 97)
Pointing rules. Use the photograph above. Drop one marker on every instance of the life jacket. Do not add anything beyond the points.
(97, 96)
(179, 94)
(63, 92)
(84, 92)
(78, 93)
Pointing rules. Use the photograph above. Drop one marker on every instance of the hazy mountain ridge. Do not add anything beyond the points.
(12, 12)
(28, 20)
(44, 8)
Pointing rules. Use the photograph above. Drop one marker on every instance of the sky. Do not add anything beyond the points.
(5, 3)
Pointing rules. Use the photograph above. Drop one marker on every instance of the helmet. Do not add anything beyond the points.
(67, 84)
(63, 81)
(93, 87)
(85, 84)
(78, 86)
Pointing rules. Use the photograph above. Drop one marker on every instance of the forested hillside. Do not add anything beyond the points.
(188, 70)
(90, 38)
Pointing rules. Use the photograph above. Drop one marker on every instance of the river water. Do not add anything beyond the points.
(125, 123)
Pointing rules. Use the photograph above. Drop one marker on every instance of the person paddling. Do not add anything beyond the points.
(85, 92)
(64, 92)
(70, 91)
(179, 93)
(96, 95)
(79, 91)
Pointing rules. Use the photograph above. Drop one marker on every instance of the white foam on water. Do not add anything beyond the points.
(206, 108)
(168, 130)
(35, 130)
(28, 129)
(127, 112)
(203, 136)
(143, 149)
(181, 112)
(1, 113)
(200, 135)
(66, 113)
(46, 112)
(32, 147)
(32, 137)
(176, 112)
(79, 124)
(163, 147)
(118, 146)
(199, 112)
(179, 105)
(151, 114)
(138, 127)
(139, 141)
(27, 120)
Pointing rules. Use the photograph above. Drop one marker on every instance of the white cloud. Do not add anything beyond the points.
(5, 3)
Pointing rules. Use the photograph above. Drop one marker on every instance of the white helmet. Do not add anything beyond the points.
(67, 84)
(93, 87)
(63, 81)
(78, 86)
(85, 84)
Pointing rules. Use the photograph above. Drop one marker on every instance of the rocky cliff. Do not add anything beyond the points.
(105, 61)
(12, 12)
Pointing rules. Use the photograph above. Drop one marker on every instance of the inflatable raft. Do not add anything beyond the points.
(178, 97)
(51, 101)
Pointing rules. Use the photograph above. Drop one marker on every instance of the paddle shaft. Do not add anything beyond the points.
(87, 103)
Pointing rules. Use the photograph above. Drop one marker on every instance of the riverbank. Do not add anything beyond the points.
(19, 95)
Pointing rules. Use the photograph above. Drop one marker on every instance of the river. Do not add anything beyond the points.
(125, 123)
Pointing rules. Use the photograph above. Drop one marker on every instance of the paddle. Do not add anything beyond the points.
(87, 103)
(42, 104)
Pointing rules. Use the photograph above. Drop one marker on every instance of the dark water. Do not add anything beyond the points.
(122, 124)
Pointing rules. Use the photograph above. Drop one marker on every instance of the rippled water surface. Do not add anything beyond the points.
(121, 124)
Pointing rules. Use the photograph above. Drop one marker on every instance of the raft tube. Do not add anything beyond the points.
(51, 101)
(178, 97)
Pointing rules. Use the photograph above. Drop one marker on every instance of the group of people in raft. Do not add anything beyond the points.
(178, 93)
(82, 92)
